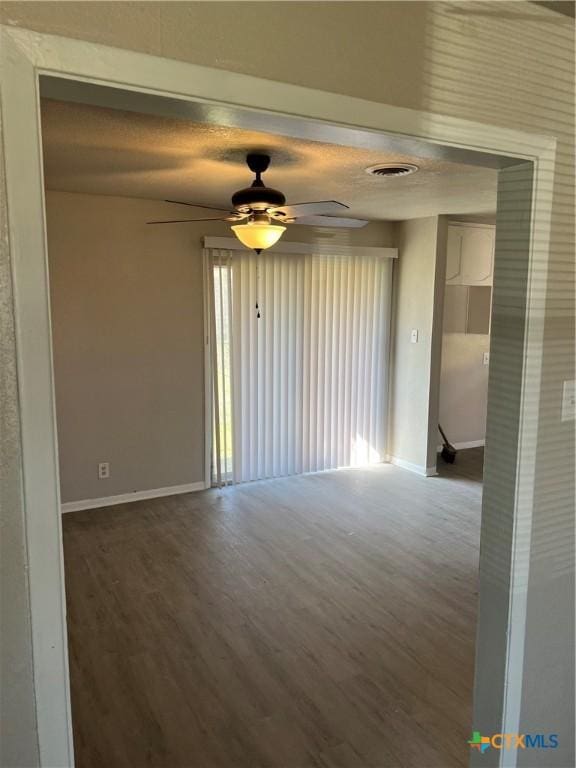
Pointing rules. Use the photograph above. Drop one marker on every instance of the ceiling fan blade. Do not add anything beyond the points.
(197, 205)
(182, 221)
(318, 208)
(331, 221)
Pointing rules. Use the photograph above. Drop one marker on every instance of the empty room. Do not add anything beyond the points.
(248, 331)
(289, 385)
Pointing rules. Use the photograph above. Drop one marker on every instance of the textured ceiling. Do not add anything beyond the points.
(109, 152)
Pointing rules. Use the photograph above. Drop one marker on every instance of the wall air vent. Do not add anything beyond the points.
(390, 170)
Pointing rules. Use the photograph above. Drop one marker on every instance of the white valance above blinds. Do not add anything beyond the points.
(320, 249)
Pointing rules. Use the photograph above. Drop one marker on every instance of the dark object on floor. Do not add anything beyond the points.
(448, 451)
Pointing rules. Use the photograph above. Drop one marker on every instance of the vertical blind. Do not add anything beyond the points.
(301, 387)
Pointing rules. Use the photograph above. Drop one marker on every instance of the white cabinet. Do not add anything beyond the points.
(454, 256)
(467, 309)
(470, 254)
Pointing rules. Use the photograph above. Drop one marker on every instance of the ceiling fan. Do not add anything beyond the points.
(261, 212)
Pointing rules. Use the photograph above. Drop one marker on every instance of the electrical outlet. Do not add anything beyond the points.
(569, 401)
(414, 336)
(103, 470)
(486, 358)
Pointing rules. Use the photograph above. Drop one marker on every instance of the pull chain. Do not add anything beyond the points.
(258, 251)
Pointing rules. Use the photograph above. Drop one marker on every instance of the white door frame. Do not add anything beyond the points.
(25, 56)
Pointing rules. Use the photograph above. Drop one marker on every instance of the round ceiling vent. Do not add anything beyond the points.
(390, 170)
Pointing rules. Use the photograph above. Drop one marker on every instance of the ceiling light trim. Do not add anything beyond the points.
(391, 170)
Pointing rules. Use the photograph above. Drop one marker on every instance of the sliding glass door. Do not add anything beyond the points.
(299, 357)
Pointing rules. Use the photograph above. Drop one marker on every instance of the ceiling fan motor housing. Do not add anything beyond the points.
(257, 197)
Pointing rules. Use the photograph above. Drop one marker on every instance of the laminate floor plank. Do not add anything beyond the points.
(318, 621)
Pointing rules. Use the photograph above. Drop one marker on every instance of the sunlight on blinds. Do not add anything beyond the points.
(303, 387)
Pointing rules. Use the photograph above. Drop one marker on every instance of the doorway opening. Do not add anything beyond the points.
(298, 343)
(50, 584)
(463, 389)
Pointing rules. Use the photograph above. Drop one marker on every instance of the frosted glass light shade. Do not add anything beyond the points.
(258, 235)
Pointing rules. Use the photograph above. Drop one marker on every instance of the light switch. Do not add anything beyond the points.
(414, 336)
(486, 358)
(569, 401)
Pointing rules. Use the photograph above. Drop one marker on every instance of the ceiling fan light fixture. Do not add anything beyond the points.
(259, 207)
(258, 233)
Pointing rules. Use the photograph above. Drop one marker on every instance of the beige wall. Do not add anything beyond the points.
(414, 367)
(505, 63)
(127, 325)
(464, 387)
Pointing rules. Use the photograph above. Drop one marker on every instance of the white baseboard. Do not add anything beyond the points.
(463, 446)
(416, 468)
(126, 498)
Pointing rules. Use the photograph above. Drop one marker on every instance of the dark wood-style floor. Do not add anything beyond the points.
(325, 620)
